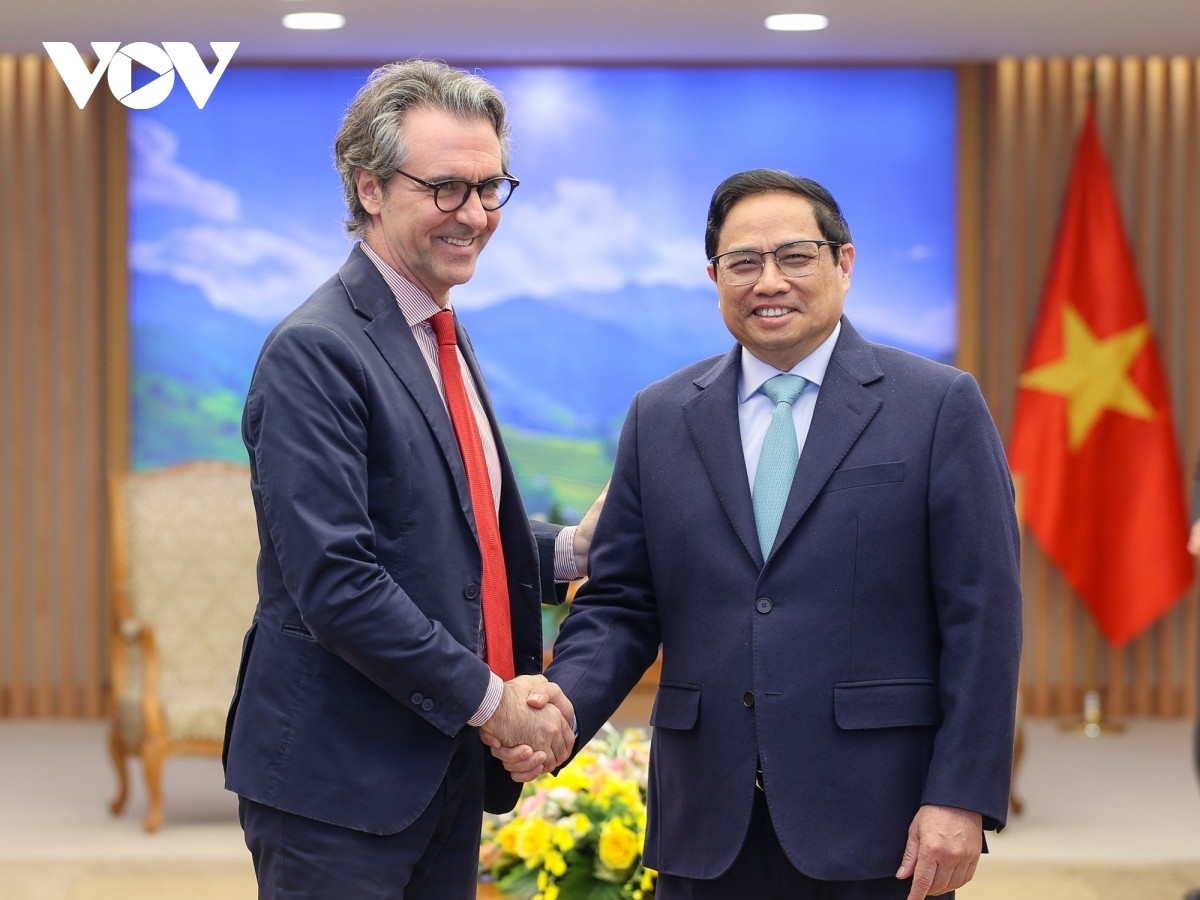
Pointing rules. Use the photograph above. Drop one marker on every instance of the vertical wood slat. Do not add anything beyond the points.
(1148, 118)
(8, 276)
(52, 289)
(45, 138)
(17, 344)
(1185, 84)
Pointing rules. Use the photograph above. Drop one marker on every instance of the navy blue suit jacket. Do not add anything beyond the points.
(869, 665)
(360, 667)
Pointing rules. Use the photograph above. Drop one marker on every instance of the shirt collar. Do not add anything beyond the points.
(415, 303)
(812, 368)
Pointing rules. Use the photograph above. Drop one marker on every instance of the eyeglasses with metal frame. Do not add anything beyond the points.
(450, 196)
(795, 260)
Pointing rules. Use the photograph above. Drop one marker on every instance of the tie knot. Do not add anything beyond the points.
(784, 388)
(443, 328)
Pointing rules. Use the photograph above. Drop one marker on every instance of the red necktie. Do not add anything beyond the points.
(497, 622)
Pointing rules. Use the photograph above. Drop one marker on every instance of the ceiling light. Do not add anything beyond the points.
(314, 21)
(797, 22)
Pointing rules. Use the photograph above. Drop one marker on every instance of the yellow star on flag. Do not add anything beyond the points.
(1093, 375)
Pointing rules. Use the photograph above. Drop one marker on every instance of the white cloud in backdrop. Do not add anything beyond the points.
(254, 272)
(581, 238)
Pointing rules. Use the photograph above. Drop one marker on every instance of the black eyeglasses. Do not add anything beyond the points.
(449, 196)
(795, 260)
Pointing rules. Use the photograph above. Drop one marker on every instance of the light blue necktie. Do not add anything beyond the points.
(777, 462)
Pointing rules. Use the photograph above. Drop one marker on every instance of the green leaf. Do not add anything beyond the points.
(519, 884)
(576, 883)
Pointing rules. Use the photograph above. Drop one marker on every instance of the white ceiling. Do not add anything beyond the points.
(610, 31)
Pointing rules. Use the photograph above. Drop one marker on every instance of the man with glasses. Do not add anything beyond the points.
(400, 579)
(819, 533)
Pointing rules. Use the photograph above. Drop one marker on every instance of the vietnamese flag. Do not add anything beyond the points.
(1093, 448)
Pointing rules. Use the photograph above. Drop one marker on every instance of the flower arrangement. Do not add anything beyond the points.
(577, 834)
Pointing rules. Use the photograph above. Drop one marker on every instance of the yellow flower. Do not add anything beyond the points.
(618, 845)
(624, 790)
(507, 837)
(564, 840)
(580, 824)
(572, 778)
(533, 839)
(555, 864)
(584, 759)
(648, 876)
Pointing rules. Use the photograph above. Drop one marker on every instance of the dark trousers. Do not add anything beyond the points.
(762, 871)
(435, 858)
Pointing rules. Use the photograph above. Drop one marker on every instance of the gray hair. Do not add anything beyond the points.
(371, 137)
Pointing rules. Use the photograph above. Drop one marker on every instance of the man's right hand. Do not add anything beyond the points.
(541, 731)
(581, 545)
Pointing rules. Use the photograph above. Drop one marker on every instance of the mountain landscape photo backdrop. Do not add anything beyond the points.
(594, 284)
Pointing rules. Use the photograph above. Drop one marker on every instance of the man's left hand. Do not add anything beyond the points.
(943, 849)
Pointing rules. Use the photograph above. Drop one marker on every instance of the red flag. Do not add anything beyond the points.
(1093, 444)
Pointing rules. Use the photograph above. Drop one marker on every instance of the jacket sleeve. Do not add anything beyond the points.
(975, 569)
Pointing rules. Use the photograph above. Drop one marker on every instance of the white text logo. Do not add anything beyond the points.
(165, 61)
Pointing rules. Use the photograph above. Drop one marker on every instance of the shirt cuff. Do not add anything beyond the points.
(491, 701)
(564, 555)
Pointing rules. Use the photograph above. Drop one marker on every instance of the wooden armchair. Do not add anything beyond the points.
(184, 551)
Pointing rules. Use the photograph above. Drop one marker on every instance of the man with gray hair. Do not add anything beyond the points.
(400, 579)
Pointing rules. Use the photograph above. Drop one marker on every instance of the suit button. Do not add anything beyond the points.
(748, 700)
(763, 605)
(427, 705)
(471, 591)
(418, 699)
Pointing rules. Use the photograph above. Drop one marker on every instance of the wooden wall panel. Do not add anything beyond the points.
(1028, 112)
(53, 193)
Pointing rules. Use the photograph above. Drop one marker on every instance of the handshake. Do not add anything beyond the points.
(533, 729)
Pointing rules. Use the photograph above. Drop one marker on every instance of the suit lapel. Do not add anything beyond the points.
(844, 408)
(389, 331)
(712, 420)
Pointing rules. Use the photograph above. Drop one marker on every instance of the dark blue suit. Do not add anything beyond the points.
(869, 666)
(360, 668)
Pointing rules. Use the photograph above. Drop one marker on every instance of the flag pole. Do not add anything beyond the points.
(1092, 723)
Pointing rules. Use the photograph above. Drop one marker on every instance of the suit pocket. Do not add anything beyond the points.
(886, 704)
(297, 631)
(676, 706)
(865, 476)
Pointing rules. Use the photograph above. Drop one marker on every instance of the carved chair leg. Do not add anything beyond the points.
(154, 752)
(119, 754)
